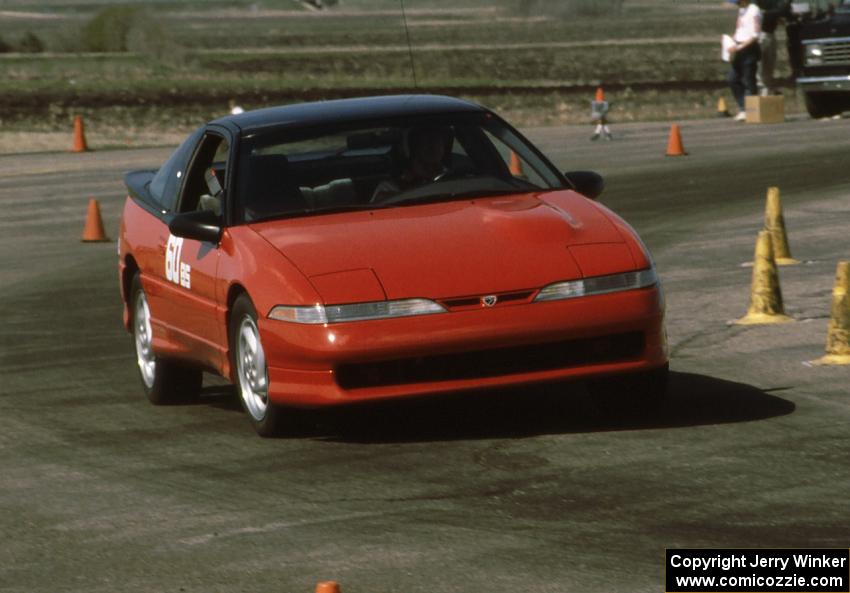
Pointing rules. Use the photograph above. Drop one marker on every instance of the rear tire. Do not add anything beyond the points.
(634, 392)
(251, 370)
(164, 381)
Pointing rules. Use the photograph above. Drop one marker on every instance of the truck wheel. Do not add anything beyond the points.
(164, 381)
(634, 392)
(252, 375)
(823, 105)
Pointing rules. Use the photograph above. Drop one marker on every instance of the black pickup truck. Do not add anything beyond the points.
(824, 37)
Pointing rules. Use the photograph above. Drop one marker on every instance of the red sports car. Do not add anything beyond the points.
(344, 251)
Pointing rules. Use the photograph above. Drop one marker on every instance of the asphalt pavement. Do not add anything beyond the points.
(533, 490)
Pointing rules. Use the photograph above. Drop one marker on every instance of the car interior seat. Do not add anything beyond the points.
(270, 188)
(339, 192)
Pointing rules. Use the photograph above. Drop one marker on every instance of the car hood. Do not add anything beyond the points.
(836, 26)
(451, 249)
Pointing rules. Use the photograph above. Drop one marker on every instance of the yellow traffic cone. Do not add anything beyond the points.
(774, 222)
(722, 110)
(765, 295)
(838, 334)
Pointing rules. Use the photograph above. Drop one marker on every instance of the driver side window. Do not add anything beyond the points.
(205, 182)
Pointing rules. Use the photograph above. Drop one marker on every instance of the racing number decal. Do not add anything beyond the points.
(175, 270)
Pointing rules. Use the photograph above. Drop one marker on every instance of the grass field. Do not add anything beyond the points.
(180, 63)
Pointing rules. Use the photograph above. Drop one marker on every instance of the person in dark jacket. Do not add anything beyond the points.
(772, 13)
(793, 24)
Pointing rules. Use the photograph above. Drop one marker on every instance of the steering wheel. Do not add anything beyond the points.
(449, 175)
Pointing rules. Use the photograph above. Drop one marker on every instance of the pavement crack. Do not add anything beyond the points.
(710, 336)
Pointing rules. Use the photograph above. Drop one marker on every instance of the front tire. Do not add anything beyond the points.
(164, 381)
(251, 370)
(823, 105)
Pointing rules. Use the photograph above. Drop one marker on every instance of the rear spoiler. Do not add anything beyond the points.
(138, 186)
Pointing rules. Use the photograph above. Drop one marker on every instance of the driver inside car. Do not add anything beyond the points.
(426, 152)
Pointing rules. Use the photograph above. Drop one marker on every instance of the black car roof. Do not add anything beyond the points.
(347, 110)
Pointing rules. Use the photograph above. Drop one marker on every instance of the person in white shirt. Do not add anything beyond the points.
(745, 54)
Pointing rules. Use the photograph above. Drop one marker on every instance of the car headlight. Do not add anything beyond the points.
(598, 285)
(814, 54)
(317, 314)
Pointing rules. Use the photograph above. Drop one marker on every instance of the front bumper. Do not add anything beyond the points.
(824, 83)
(313, 365)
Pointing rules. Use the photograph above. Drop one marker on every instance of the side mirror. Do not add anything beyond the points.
(201, 225)
(588, 183)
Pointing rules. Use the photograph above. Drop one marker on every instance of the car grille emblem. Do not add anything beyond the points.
(489, 300)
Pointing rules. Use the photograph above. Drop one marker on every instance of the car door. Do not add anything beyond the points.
(188, 307)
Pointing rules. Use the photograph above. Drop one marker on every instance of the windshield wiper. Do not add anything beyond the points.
(336, 209)
(459, 195)
(325, 210)
(486, 193)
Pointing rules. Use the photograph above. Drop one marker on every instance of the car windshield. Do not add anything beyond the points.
(824, 5)
(385, 164)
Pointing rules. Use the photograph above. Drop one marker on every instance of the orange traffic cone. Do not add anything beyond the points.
(327, 587)
(600, 94)
(79, 135)
(516, 165)
(93, 233)
(674, 144)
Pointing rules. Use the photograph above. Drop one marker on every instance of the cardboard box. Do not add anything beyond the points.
(765, 110)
